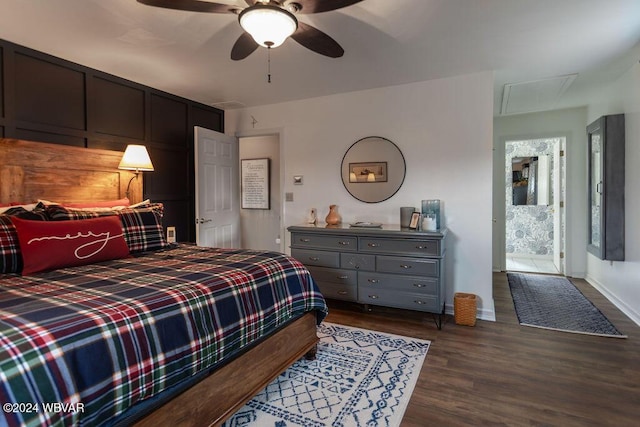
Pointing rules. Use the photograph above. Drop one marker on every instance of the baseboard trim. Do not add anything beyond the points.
(621, 305)
(482, 314)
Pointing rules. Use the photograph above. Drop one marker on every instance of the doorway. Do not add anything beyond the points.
(260, 228)
(535, 185)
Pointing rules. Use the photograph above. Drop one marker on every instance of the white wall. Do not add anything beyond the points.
(620, 281)
(444, 129)
(570, 123)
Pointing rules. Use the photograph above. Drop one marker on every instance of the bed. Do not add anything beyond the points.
(167, 334)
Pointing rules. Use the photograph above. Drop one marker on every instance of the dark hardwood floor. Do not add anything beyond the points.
(501, 373)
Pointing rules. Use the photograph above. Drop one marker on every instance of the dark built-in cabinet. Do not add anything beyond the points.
(606, 187)
(47, 99)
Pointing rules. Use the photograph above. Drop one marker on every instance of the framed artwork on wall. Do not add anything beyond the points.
(368, 172)
(255, 191)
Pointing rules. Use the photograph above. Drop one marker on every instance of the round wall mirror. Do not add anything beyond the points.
(373, 169)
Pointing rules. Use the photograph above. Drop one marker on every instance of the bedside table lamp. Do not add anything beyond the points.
(135, 158)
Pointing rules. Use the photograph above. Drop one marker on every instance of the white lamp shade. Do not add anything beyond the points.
(136, 158)
(371, 177)
(268, 25)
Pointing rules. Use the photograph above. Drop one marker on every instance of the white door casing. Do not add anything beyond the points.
(261, 229)
(556, 210)
(558, 204)
(217, 189)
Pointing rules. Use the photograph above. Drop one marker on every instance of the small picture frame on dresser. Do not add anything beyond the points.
(415, 220)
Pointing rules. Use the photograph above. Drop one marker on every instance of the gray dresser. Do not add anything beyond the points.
(386, 266)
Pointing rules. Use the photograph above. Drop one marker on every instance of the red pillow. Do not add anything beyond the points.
(107, 204)
(46, 245)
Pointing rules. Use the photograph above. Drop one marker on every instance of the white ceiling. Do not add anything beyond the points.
(386, 42)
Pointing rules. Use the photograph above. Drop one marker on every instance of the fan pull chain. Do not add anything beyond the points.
(268, 64)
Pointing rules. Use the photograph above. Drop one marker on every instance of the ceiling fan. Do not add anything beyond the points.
(268, 23)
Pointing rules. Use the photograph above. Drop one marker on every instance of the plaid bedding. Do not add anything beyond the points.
(78, 346)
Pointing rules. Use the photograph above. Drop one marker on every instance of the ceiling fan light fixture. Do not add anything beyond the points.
(268, 25)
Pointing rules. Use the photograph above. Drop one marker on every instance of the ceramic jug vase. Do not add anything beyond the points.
(333, 218)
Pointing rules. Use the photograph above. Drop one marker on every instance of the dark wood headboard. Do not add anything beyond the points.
(35, 170)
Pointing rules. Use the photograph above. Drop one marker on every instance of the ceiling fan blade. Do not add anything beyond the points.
(191, 5)
(318, 6)
(243, 47)
(317, 41)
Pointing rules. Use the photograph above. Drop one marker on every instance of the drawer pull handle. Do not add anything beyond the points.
(314, 258)
(343, 277)
(421, 247)
(405, 266)
(419, 285)
(373, 245)
(342, 292)
(419, 302)
(372, 280)
(373, 296)
(344, 243)
(305, 240)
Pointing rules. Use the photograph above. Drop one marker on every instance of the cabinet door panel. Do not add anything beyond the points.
(606, 147)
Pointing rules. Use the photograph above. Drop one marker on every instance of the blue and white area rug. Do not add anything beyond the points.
(359, 378)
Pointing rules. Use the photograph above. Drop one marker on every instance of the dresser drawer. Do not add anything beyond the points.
(338, 291)
(411, 301)
(336, 283)
(334, 275)
(342, 243)
(319, 258)
(358, 261)
(408, 266)
(400, 246)
(390, 282)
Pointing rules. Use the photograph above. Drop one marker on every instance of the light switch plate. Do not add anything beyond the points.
(288, 197)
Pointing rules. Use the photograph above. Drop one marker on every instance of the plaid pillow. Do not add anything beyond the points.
(143, 229)
(142, 226)
(36, 214)
(10, 255)
(10, 259)
(61, 213)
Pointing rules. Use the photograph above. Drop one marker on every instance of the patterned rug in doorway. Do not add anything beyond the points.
(359, 378)
(553, 302)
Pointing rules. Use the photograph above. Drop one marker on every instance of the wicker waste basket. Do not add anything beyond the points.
(464, 308)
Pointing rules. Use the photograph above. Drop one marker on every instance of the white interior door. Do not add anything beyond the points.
(217, 189)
